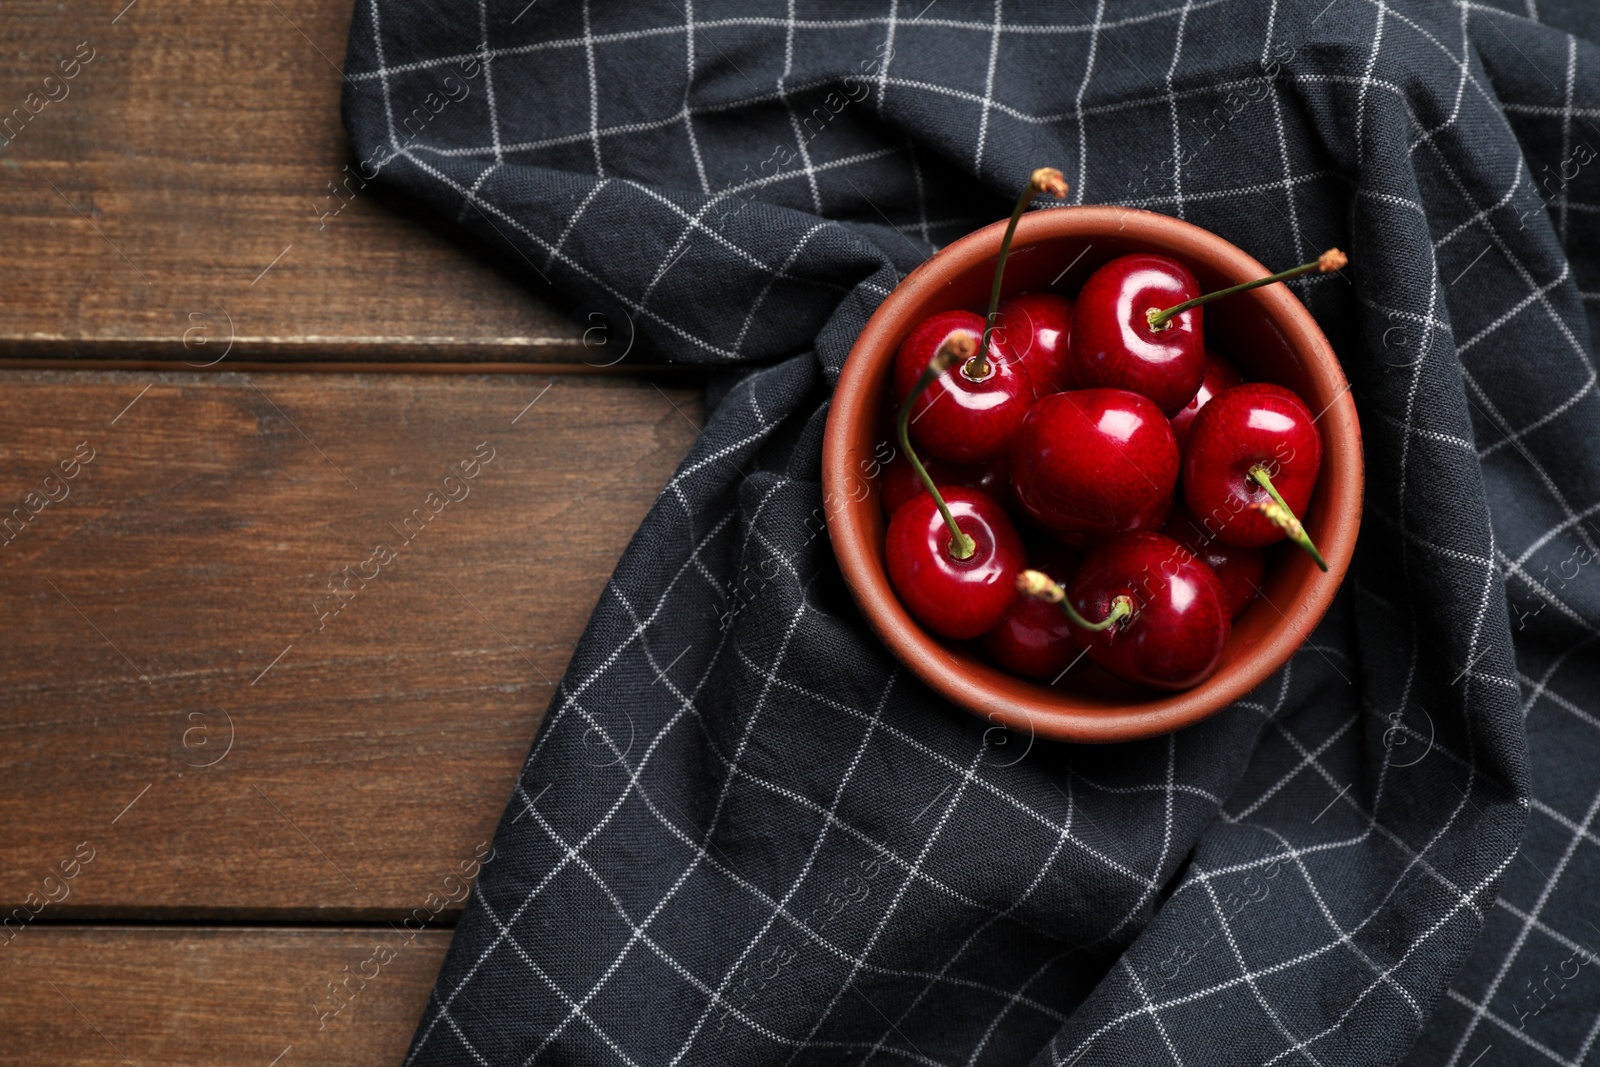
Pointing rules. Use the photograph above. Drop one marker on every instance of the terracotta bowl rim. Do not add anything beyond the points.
(1039, 710)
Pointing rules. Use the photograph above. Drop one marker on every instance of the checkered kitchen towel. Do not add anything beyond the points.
(745, 836)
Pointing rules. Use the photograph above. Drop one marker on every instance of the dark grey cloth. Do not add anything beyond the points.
(745, 836)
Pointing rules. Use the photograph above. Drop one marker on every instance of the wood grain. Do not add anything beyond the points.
(223, 997)
(145, 205)
(178, 596)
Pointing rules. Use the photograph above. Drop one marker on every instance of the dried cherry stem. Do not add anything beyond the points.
(1331, 260)
(1044, 180)
(1282, 516)
(1040, 586)
(957, 347)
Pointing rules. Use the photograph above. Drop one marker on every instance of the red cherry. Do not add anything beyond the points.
(962, 417)
(1034, 639)
(1219, 375)
(1180, 622)
(1091, 463)
(955, 598)
(901, 484)
(1113, 343)
(1245, 439)
(1239, 570)
(985, 396)
(1137, 324)
(1038, 332)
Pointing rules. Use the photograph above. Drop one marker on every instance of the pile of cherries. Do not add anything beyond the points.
(1098, 482)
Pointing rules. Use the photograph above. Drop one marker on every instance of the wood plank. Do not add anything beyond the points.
(114, 996)
(195, 148)
(178, 595)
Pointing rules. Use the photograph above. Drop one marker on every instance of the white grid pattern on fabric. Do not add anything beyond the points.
(1304, 764)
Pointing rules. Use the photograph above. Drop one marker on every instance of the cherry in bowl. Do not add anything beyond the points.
(1114, 343)
(1253, 459)
(1178, 622)
(955, 593)
(1090, 463)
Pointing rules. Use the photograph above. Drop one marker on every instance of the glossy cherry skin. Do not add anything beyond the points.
(953, 598)
(1091, 463)
(901, 485)
(1038, 334)
(1239, 570)
(1180, 622)
(1113, 344)
(1219, 376)
(958, 418)
(1249, 424)
(1034, 639)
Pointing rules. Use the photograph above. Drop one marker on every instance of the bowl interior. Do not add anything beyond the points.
(1266, 333)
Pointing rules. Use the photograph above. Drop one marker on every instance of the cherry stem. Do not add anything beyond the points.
(1282, 516)
(1040, 586)
(1044, 180)
(1331, 260)
(957, 347)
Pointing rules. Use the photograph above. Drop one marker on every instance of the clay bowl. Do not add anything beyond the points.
(1266, 332)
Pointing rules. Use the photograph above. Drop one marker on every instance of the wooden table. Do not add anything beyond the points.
(239, 748)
